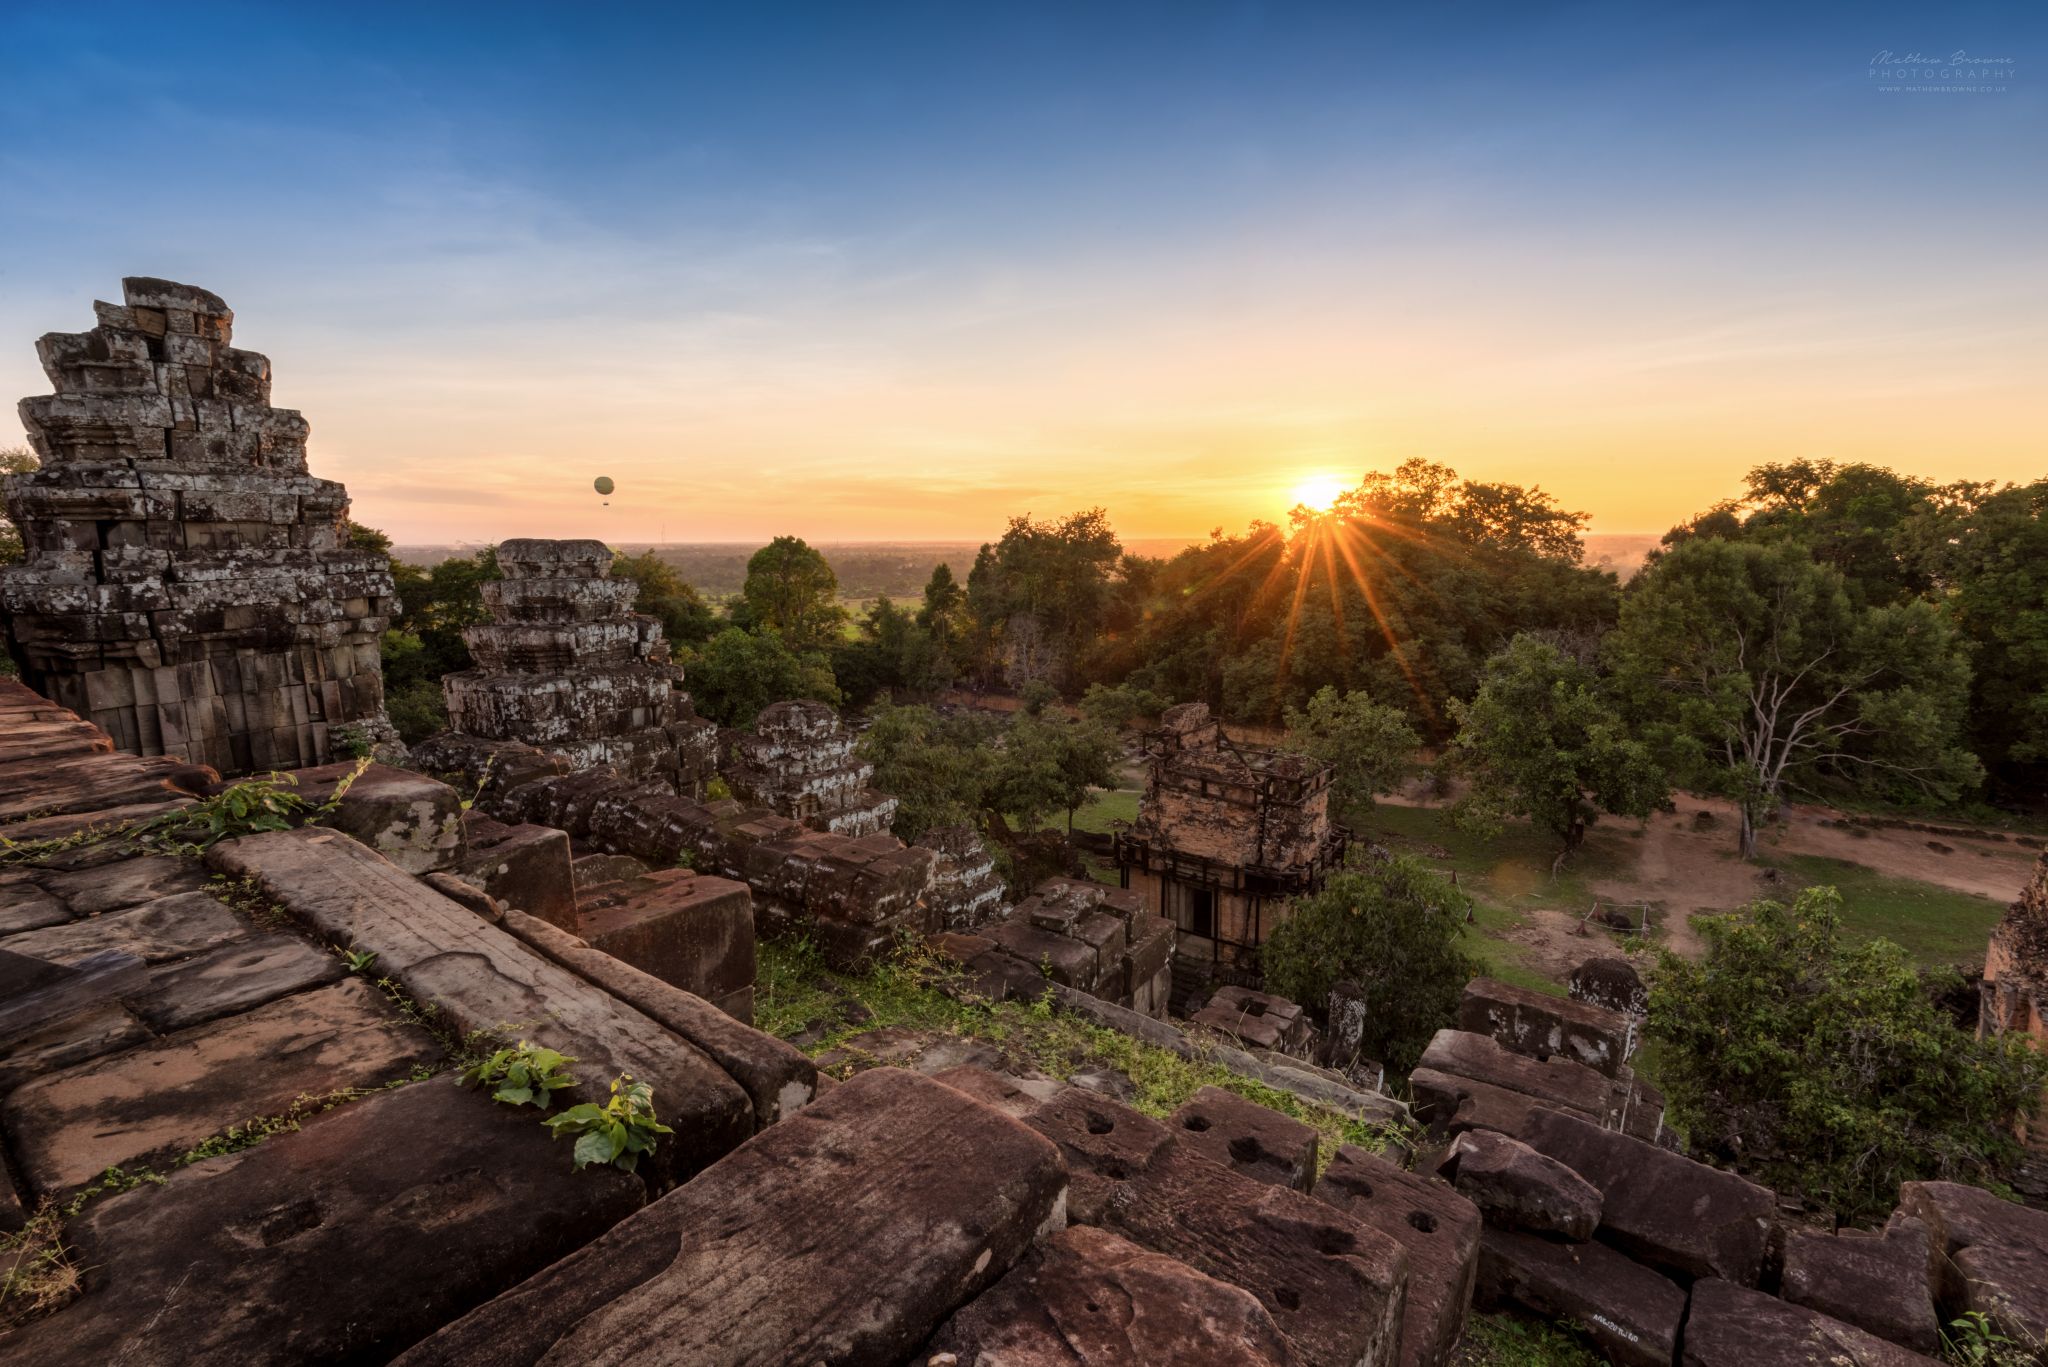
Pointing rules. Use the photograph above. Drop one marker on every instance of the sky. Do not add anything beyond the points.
(902, 271)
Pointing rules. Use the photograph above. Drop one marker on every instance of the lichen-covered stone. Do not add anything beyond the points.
(799, 761)
(566, 666)
(187, 586)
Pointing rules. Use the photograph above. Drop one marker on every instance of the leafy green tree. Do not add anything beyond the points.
(1393, 928)
(1116, 708)
(1825, 1068)
(1540, 740)
(1985, 549)
(1047, 763)
(1369, 745)
(791, 590)
(937, 767)
(15, 460)
(358, 537)
(686, 619)
(737, 673)
(1767, 677)
(1053, 579)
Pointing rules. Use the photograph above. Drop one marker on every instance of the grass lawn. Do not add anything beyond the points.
(1106, 805)
(1503, 875)
(1935, 925)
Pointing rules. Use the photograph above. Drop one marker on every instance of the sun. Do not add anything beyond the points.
(1318, 492)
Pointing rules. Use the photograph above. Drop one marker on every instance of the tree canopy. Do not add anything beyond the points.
(1368, 744)
(1541, 740)
(736, 673)
(1823, 1067)
(792, 591)
(1766, 676)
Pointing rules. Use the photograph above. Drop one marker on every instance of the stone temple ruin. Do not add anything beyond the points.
(2015, 1002)
(318, 989)
(187, 587)
(566, 666)
(798, 761)
(1225, 834)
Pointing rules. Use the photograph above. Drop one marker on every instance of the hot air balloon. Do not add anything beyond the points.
(604, 485)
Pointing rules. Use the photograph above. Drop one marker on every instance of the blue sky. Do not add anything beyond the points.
(898, 271)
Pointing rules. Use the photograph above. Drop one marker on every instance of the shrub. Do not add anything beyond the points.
(617, 1132)
(1394, 930)
(524, 1075)
(1824, 1068)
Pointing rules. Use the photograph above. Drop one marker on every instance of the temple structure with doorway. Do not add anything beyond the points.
(1225, 835)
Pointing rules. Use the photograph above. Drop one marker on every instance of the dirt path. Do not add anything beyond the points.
(1686, 865)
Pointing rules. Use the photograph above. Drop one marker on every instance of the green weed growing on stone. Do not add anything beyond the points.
(1972, 1340)
(618, 1131)
(358, 960)
(523, 1075)
(112, 1182)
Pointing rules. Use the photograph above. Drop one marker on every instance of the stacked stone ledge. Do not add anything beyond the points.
(565, 666)
(186, 585)
(1079, 934)
(798, 761)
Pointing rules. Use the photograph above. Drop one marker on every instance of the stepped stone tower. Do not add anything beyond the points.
(187, 586)
(799, 761)
(566, 666)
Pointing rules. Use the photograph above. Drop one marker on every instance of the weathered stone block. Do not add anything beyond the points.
(168, 928)
(343, 1242)
(1631, 1312)
(1991, 1256)
(1334, 1285)
(1253, 1140)
(157, 1101)
(691, 930)
(230, 979)
(1665, 1209)
(1519, 1188)
(1086, 1298)
(1542, 1026)
(1438, 1229)
(524, 866)
(1733, 1326)
(411, 819)
(1877, 1282)
(739, 1268)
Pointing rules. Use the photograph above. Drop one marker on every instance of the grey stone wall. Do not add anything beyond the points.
(187, 588)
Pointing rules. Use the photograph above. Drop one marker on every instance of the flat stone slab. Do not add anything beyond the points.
(1253, 1140)
(1438, 1228)
(1333, 1284)
(65, 1043)
(1733, 1326)
(1086, 1298)
(156, 932)
(346, 1241)
(129, 883)
(846, 1234)
(479, 977)
(1633, 1313)
(1878, 1282)
(411, 819)
(231, 979)
(1665, 1209)
(24, 906)
(160, 1100)
(1991, 1255)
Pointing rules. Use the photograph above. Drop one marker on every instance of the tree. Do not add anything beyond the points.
(1765, 678)
(1826, 1068)
(358, 537)
(1368, 744)
(936, 767)
(15, 460)
(1985, 549)
(1541, 741)
(1394, 929)
(792, 591)
(737, 673)
(1116, 708)
(1049, 581)
(686, 619)
(1048, 763)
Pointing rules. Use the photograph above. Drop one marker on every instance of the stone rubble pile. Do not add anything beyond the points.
(1082, 935)
(188, 586)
